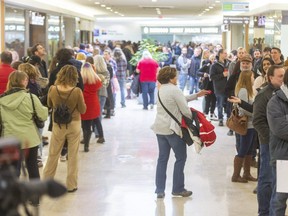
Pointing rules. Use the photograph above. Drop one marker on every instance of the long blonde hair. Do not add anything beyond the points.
(244, 81)
(100, 64)
(88, 74)
(67, 76)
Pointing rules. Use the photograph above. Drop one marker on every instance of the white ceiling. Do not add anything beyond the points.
(172, 12)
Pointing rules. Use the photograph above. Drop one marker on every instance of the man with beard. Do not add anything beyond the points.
(245, 65)
(39, 50)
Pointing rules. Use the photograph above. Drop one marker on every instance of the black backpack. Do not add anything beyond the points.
(62, 115)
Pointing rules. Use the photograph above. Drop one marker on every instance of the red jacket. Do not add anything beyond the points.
(148, 70)
(91, 99)
(5, 70)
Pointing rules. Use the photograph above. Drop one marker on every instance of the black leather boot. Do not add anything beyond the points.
(87, 136)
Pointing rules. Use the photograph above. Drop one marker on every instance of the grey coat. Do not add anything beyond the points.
(174, 100)
(277, 116)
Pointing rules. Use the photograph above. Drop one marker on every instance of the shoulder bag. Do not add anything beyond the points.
(187, 135)
(39, 123)
(237, 123)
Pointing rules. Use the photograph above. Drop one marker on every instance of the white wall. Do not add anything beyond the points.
(118, 31)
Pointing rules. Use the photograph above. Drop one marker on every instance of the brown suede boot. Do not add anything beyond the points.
(237, 169)
(247, 163)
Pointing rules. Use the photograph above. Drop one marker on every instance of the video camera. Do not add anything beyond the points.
(14, 192)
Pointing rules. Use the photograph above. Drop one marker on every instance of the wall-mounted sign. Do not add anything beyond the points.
(53, 29)
(108, 32)
(180, 30)
(209, 30)
(14, 28)
(235, 6)
(37, 18)
(236, 20)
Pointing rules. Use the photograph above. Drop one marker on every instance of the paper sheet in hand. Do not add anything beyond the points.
(282, 176)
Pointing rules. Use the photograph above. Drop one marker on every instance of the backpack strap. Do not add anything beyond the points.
(172, 116)
(67, 97)
(66, 101)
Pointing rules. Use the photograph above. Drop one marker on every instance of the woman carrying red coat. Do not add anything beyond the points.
(92, 83)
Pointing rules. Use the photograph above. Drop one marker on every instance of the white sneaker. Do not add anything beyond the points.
(213, 117)
(63, 158)
(151, 106)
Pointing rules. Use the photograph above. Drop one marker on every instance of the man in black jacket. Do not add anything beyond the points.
(39, 50)
(218, 74)
(275, 76)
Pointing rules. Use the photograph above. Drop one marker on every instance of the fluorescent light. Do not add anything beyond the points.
(97, 3)
(103, 5)
(108, 8)
(207, 9)
(217, 1)
(211, 7)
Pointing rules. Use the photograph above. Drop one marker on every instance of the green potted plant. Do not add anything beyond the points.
(148, 44)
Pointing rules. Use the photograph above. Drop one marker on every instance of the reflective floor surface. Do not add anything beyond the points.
(117, 178)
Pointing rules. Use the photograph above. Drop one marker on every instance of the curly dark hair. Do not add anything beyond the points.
(64, 55)
(166, 74)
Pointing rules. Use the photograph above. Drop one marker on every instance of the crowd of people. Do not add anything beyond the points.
(249, 82)
(83, 82)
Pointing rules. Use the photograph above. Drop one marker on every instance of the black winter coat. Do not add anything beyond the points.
(216, 75)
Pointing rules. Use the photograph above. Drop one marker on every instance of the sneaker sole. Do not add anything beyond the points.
(182, 195)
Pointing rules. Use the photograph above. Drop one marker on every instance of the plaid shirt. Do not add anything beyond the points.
(121, 68)
(113, 64)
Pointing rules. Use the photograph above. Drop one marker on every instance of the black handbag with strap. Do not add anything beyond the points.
(38, 122)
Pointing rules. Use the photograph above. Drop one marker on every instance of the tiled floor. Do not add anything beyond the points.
(117, 178)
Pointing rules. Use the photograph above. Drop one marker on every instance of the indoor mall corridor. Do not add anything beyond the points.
(117, 178)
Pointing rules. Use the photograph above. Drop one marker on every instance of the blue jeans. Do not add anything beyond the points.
(182, 80)
(102, 104)
(102, 100)
(165, 143)
(278, 200)
(40, 149)
(122, 84)
(194, 84)
(246, 143)
(148, 88)
(237, 137)
(220, 100)
(264, 181)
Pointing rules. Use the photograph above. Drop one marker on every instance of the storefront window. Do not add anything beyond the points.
(15, 31)
(265, 30)
(53, 35)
